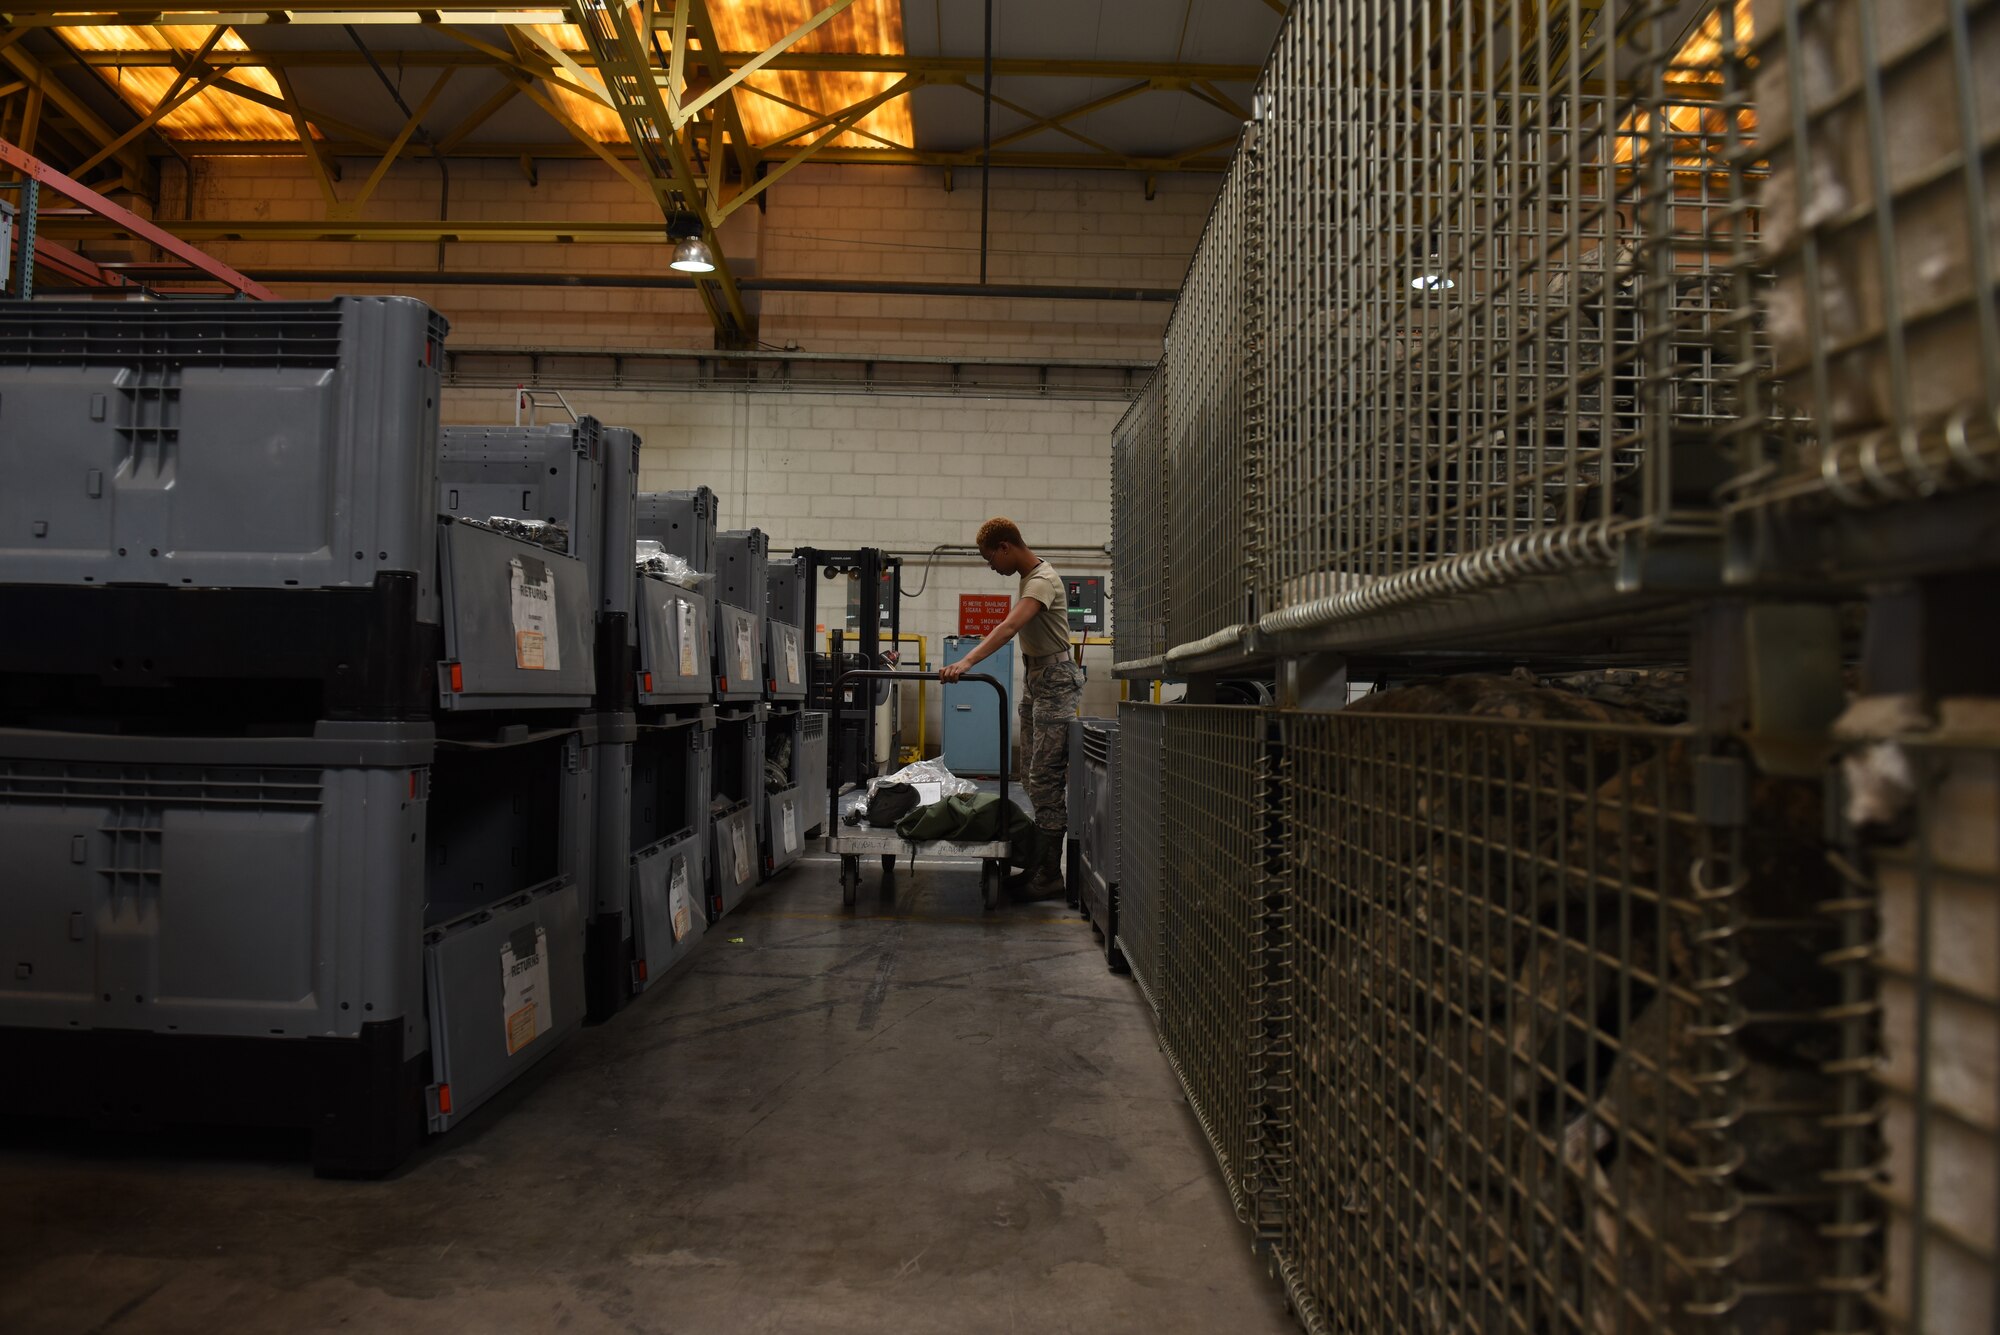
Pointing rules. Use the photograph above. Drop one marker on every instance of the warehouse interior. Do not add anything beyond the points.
(889, 665)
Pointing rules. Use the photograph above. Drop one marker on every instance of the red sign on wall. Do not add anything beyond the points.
(979, 613)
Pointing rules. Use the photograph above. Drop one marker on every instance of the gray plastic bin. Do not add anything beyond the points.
(253, 887)
(741, 555)
(786, 819)
(812, 765)
(607, 740)
(1100, 830)
(1076, 792)
(669, 916)
(505, 985)
(681, 521)
(676, 663)
(783, 820)
(507, 879)
(667, 865)
(785, 598)
(616, 587)
(214, 444)
(784, 661)
(733, 857)
(739, 654)
(519, 624)
(552, 473)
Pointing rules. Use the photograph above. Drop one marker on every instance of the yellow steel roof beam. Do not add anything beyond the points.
(1059, 120)
(834, 131)
(687, 112)
(564, 150)
(486, 110)
(732, 114)
(315, 156)
(624, 61)
(582, 136)
(806, 61)
(177, 93)
(810, 126)
(395, 149)
(137, 165)
(528, 63)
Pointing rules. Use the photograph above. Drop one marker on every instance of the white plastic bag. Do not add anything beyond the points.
(652, 558)
(926, 776)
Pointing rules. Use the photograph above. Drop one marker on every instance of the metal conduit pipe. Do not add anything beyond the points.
(1023, 291)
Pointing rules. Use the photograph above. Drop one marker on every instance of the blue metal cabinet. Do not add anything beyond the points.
(972, 711)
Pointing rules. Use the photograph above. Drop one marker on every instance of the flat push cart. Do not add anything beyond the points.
(857, 842)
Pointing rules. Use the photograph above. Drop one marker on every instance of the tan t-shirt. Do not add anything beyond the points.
(1047, 632)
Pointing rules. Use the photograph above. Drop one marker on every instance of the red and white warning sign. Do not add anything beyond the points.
(979, 613)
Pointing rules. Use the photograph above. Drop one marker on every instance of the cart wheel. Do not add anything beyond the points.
(991, 877)
(850, 880)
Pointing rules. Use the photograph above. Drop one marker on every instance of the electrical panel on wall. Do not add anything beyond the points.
(1086, 603)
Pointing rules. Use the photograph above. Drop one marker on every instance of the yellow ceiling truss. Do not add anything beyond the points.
(702, 104)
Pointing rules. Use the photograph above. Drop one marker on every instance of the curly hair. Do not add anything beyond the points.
(996, 531)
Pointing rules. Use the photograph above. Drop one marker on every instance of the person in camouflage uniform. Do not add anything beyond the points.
(1052, 686)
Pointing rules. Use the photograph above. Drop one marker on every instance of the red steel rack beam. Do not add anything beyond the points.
(15, 157)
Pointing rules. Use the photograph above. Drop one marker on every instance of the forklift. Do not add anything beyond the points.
(863, 621)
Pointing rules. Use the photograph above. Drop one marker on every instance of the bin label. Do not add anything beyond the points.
(741, 849)
(746, 654)
(524, 990)
(790, 825)
(684, 611)
(791, 638)
(531, 591)
(679, 900)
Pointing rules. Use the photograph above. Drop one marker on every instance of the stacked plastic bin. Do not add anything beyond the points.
(787, 790)
(573, 485)
(722, 643)
(669, 863)
(289, 784)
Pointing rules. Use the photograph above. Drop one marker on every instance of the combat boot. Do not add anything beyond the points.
(1031, 859)
(1047, 882)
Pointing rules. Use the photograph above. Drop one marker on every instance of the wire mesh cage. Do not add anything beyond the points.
(1506, 289)
(1219, 905)
(1214, 419)
(1927, 816)
(1141, 762)
(1881, 224)
(1564, 1052)
(1139, 533)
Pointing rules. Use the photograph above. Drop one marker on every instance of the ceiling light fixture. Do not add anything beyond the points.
(691, 253)
(693, 256)
(1432, 282)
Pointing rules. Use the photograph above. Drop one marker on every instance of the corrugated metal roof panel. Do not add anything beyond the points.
(211, 114)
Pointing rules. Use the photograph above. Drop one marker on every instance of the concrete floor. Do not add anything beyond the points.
(904, 1117)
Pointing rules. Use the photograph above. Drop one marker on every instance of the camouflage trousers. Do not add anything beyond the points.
(1049, 698)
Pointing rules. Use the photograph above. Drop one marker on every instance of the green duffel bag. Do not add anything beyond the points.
(968, 818)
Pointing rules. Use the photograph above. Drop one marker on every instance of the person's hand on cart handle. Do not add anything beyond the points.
(951, 672)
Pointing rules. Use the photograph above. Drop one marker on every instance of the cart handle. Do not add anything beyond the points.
(876, 674)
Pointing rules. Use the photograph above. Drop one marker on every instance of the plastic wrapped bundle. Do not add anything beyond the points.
(652, 558)
(541, 532)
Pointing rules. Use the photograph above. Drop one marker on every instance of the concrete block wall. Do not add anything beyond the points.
(904, 473)
(864, 224)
